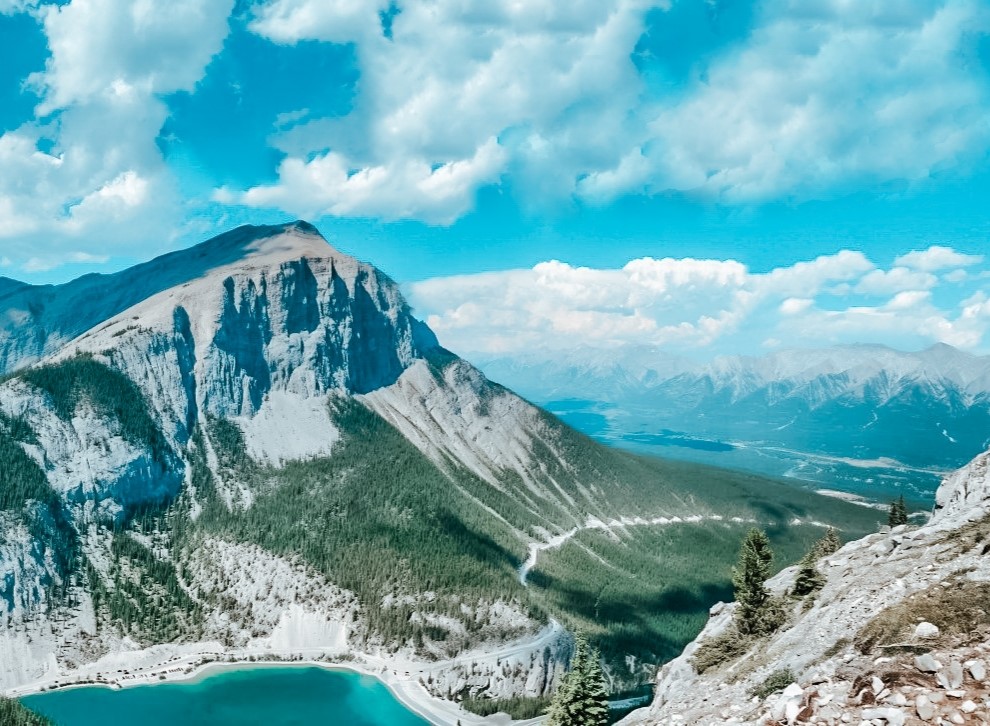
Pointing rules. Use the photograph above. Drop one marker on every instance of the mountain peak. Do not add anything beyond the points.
(264, 244)
(35, 320)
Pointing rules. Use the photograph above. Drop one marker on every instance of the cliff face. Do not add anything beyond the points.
(291, 314)
(898, 633)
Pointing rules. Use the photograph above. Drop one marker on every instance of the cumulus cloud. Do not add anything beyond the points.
(895, 280)
(696, 305)
(937, 258)
(9, 7)
(87, 166)
(552, 83)
(115, 48)
(335, 21)
(404, 189)
(822, 97)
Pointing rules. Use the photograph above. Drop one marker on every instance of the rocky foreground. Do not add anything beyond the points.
(899, 634)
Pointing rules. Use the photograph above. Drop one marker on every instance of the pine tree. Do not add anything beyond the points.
(594, 699)
(808, 579)
(748, 577)
(829, 544)
(898, 512)
(582, 697)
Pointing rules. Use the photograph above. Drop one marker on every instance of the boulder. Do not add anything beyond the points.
(924, 708)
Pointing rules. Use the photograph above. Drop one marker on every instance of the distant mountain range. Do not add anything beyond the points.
(862, 417)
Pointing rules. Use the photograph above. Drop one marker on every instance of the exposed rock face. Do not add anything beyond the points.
(964, 495)
(291, 314)
(832, 648)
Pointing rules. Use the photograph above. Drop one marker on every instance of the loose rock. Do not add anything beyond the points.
(893, 716)
(924, 708)
(977, 669)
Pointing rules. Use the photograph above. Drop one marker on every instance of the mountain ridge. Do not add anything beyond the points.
(797, 413)
(50, 316)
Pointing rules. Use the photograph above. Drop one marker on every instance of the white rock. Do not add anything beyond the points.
(877, 684)
(793, 690)
(968, 706)
(926, 630)
(977, 669)
(926, 663)
(893, 716)
(954, 674)
(897, 699)
(924, 708)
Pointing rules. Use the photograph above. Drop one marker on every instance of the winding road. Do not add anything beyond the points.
(535, 548)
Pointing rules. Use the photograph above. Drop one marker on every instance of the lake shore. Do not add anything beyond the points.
(193, 663)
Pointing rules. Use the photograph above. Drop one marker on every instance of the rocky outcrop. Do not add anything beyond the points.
(898, 634)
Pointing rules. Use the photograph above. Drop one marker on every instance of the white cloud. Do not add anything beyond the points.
(9, 7)
(101, 172)
(553, 83)
(44, 264)
(336, 21)
(898, 279)
(399, 190)
(937, 258)
(795, 305)
(822, 98)
(696, 305)
(117, 47)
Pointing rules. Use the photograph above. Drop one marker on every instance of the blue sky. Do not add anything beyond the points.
(464, 146)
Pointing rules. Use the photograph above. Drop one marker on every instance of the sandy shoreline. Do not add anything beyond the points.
(400, 676)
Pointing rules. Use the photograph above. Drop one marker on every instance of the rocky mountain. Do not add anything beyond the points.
(897, 634)
(864, 418)
(253, 447)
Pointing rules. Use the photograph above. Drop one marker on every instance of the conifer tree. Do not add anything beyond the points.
(829, 544)
(808, 579)
(898, 512)
(12, 713)
(582, 697)
(748, 578)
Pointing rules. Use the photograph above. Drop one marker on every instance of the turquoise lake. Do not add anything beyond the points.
(275, 696)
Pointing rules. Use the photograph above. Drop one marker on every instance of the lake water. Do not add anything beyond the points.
(269, 696)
